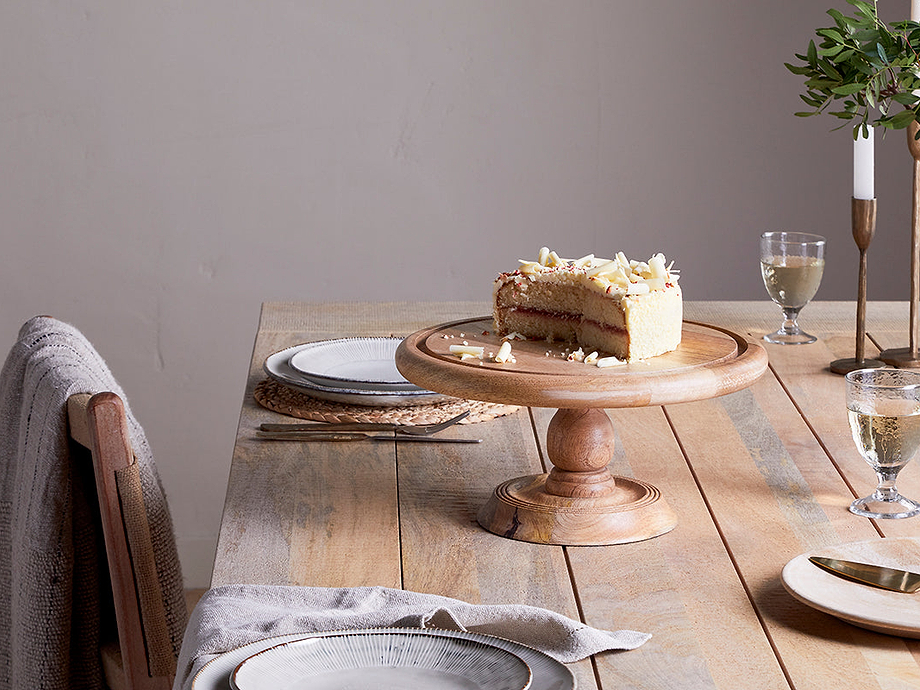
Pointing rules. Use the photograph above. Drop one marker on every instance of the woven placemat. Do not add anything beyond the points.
(280, 398)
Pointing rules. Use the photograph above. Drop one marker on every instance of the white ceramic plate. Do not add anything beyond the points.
(278, 367)
(868, 607)
(383, 660)
(548, 674)
(351, 363)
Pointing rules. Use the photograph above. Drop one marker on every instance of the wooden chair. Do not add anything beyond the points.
(140, 660)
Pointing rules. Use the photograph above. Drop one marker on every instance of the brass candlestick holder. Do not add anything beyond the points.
(863, 212)
(901, 357)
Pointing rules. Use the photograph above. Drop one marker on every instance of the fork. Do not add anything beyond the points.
(324, 428)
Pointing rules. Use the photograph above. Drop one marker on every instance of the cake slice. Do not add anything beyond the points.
(630, 310)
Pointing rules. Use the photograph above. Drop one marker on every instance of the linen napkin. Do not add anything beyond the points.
(233, 615)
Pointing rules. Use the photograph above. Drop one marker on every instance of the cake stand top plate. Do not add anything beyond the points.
(709, 362)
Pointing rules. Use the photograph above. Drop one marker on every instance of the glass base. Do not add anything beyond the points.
(872, 507)
(782, 337)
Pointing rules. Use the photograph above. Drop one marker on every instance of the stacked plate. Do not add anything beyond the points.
(385, 659)
(356, 371)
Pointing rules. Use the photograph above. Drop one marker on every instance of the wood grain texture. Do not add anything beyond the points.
(755, 477)
(708, 363)
(99, 423)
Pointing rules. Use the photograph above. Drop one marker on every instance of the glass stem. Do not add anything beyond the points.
(886, 490)
(790, 320)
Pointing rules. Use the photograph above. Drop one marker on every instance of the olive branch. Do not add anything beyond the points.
(867, 65)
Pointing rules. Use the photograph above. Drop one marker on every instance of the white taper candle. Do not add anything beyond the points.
(864, 164)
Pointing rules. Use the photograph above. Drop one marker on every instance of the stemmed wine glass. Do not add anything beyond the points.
(792, 264)
(883, 406)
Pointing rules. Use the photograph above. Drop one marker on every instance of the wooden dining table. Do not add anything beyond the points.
(756, 478)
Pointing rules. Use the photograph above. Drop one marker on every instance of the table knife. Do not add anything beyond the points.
(891, 579)
(357, 436)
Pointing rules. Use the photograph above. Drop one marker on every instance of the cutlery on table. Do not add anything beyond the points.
(891, 579)
(356, 436)
(336, 427)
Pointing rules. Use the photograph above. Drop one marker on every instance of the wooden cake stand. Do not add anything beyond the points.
(579, 502)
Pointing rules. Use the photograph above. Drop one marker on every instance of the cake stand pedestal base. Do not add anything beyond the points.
(522, 509)
(579, 502)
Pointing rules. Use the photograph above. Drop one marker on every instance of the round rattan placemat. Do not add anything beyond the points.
(287, 401)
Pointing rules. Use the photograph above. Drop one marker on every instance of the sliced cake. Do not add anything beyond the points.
(628, 309)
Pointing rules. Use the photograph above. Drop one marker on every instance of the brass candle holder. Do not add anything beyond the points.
(863, 212)
(909, 357)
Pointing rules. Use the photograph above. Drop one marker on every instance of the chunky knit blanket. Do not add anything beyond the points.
(55, 599)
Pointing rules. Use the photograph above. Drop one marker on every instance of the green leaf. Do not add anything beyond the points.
(830, 52)
(870, 36)
(838, 17)
(829, 70)
(848, 89)
(821, 83)
(863, 7)
(907, 99)
(832, 34)
(902, 119)
(881, 53)
(813, 102)
(812, 54)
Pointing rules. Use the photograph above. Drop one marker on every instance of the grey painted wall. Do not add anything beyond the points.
(166, 166)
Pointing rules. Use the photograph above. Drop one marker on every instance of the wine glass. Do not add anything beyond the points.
(792, 264)
(883, 406)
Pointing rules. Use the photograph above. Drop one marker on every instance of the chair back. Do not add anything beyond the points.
(145, 658)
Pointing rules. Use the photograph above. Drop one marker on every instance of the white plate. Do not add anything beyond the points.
(278, 367)
(548, 674)
(868, 607)
(351, 363)
(383, 660)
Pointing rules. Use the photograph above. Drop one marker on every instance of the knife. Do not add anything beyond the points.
(355, 436)
(891, 579)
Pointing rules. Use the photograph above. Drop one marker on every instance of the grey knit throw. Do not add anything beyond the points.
(54, 591)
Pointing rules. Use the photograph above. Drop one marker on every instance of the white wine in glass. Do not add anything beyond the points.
(883, 407)
(792, 264)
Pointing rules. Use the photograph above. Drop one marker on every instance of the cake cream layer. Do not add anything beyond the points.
(565, 302)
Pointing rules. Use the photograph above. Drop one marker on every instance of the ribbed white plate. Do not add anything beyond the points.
(384, 660)
(351, 363)
(548, 674)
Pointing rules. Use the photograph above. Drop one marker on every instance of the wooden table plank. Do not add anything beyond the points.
(445, 551)
(303, 511)
(821, 397)
(682, 587)
(768, 512)
(775, 493)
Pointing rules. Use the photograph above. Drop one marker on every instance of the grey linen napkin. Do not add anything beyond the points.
(233, 615)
